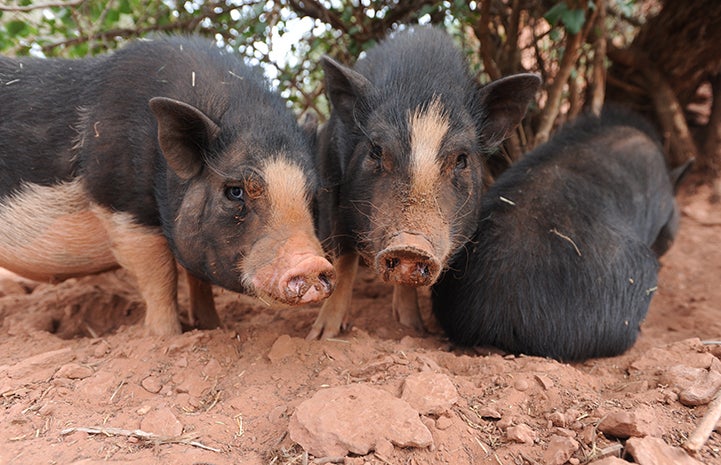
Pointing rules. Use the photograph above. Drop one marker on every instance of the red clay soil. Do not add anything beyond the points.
(81, 383)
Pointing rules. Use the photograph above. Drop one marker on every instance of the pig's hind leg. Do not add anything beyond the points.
(202, 313)
(333, 315)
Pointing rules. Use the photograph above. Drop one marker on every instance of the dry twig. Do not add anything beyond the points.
(140, 434)
(700, 435)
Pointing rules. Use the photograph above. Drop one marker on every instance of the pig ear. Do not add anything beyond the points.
(182, 131)
(504, 103)
(345, 88)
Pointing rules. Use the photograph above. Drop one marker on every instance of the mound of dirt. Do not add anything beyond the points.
(81, 383)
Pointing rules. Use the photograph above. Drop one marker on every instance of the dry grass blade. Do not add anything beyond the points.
(563, 236)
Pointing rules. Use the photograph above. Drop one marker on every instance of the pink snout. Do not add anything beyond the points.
(310, 280)
(408, 260)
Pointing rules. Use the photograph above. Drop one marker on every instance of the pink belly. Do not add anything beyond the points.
(51, 233)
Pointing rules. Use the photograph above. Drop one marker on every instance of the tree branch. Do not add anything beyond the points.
(68, 4)
(555, 91)
(598, 76)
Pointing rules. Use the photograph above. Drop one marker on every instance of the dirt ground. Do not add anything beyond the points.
(73, 356)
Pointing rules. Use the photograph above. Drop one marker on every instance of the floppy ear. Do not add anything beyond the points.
(182, 131)
(504, 103)
(346, 88)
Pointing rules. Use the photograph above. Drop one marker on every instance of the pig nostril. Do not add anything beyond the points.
(392, 263)
(424, 270)
(325, 281)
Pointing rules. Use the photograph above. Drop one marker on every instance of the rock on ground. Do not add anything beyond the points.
(654, 451)
(355, 418)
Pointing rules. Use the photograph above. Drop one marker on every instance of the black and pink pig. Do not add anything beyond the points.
(168, 151)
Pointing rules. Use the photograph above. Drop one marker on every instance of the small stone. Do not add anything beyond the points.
(40, 367)
(283, 348)
(443, 422)
(504, 423)
(560, 449)
(212, 369)
(143, 410)
(521, 385)
(654, 451)
(102, 348)
(702, 390)
(545, 381)
(557, 419)
(429, 393)
(152, 384)
(622, 424)
(566, 432)
(384, 448)
(521, 433)
(574, 461)
(162, 422)
(489, 413)
(74, 371)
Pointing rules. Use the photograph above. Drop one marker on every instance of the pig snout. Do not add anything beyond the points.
(310, 280)
(409, 260)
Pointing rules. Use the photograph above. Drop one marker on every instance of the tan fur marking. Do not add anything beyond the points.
(287, 192)
(144, 251)
(428, 128)
(288, 234)
(49, 233)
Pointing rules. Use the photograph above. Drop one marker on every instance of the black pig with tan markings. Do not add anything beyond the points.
(402, 157)
(169, 150)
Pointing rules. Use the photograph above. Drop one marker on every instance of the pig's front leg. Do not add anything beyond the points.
(333, 316)
(405, 307)
(144, 252)
(202, 313)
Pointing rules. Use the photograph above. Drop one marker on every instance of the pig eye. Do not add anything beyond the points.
(376, 152)
(461, 162)
(234, 193)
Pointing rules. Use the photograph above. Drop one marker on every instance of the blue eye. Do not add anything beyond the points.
(234, 193)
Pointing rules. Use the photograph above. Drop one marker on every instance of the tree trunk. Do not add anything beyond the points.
(659, 73)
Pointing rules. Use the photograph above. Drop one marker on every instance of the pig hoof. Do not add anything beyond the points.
(164, 331)
(165, 328)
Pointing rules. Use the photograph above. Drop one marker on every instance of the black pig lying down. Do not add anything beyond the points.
(403, 155)
(169, 149)
(564, 260)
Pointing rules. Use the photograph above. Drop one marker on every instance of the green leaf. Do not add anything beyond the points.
(124, 7)
(17, 28)
(573, 20)
(554, 15)
(112, 17)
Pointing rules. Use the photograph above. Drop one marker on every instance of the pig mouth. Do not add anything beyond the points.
(408, 260)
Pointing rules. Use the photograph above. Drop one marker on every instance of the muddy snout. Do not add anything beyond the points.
(409, 260)
(310, 280)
